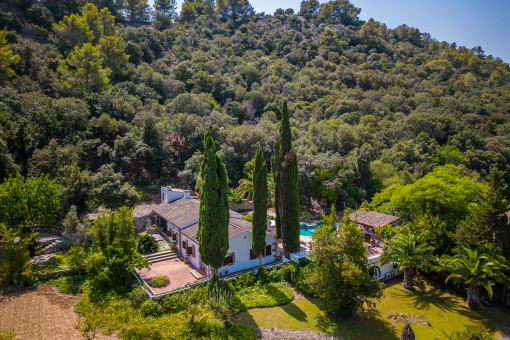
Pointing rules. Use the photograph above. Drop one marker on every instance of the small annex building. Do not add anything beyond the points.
(177, 217)
(369, 222)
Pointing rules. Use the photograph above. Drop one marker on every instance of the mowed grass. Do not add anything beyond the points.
(446, 312)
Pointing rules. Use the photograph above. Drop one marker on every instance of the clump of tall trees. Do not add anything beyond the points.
(285, 172)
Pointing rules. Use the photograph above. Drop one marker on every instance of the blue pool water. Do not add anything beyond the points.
(307, 230)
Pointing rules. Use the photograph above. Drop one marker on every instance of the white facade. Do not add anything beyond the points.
(194, 259)
(239, 247)
(382, 272)
(168, 194)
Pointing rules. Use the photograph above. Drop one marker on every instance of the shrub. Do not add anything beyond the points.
(75, 259)
(248, 218)
(222, 303)
(147, 244)
(241, 281)
(267, 295)
(300, 280)
(261, 275)
(473, 333)
(150, 308)
(6, 335)
(181, 301)
(138, 296)
(159, 281)
(71, 284)
(141, 332)
(15, 259)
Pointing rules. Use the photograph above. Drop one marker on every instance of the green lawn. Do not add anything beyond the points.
(447, 313)
(55, 263)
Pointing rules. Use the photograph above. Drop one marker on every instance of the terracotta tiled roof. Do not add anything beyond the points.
(235, 228)
(182, 212)
(372, 218)
(142, 210)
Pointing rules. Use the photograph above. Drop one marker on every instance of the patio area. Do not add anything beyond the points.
(176, 270)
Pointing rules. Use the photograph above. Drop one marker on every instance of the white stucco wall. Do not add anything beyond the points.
(241, 246)
(376, 261)
(193, 260)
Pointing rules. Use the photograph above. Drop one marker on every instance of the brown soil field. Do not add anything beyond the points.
(40, 313)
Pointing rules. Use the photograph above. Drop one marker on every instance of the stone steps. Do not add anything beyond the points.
(163, 256)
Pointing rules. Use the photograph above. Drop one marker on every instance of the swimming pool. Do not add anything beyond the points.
(307, 230)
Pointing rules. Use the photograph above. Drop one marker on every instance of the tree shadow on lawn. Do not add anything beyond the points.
(423, 297)
(294, 311)
(276, 293)
(368, 324)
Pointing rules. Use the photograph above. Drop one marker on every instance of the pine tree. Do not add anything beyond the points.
(259, 206)
(289, 186)
(83, 71)
(166, 7)
(137, 11)
(7, 58)
(214, 214)
(188, 12)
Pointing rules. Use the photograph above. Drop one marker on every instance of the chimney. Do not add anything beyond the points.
(163, 194)
(186, 194)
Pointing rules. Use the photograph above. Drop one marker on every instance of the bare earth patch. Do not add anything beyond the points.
(40, 313)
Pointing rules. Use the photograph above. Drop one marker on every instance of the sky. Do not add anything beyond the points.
(469, 23)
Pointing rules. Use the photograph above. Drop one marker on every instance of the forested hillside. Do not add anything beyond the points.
(112, 96)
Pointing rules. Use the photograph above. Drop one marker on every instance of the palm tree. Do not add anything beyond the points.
(245, 188)
(404, 252)
(408, 321)
(476, 270)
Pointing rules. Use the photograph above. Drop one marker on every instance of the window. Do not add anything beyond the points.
(229, 260)
(193, 250)
(189, 251)
(184, 244)
(267, 252)
(375, 272)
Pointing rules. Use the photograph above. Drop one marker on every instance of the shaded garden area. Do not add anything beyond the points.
(447, 313)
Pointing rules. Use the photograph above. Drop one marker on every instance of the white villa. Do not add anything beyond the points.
(177, 217)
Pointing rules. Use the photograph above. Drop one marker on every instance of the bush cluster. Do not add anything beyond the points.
(147, 244)
(159, 281)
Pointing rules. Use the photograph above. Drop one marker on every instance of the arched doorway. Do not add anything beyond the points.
(375, 271)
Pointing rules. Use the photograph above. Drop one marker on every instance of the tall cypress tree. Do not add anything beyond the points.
(289, 186)
(214, 214)
(258, 242)
(276, 167)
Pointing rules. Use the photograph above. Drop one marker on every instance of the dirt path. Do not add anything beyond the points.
(40, 313)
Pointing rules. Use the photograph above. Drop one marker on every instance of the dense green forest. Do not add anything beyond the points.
(111, 97)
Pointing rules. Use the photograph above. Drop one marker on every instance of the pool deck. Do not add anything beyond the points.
(310, 223)
(305, 240)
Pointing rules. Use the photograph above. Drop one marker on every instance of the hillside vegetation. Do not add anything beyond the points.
(104, 99)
